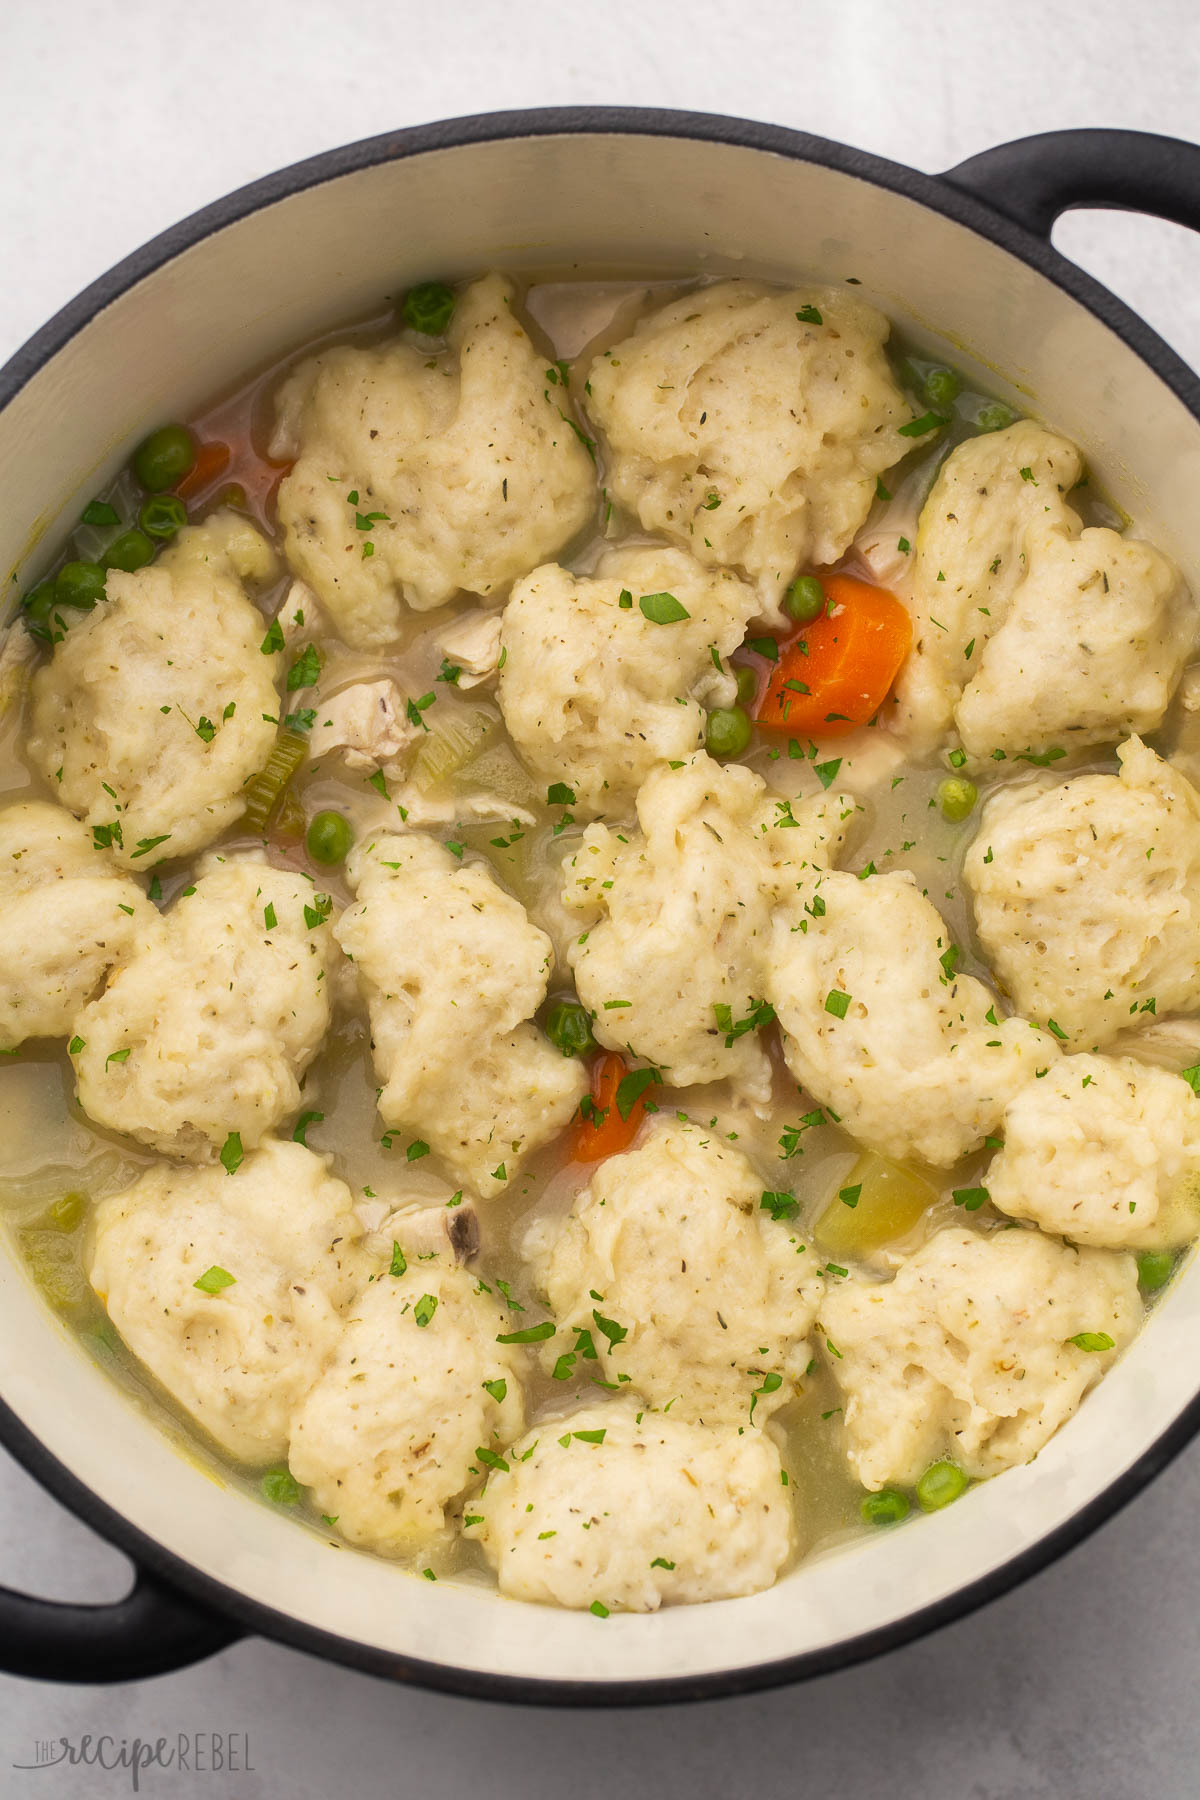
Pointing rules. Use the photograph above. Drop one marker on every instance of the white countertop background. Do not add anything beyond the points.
(118, 117)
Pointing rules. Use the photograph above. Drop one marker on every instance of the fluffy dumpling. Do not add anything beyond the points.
(751, 425)
(1032, 633)
(704, 1293)
(389, 1437)
(1104, 1150)
(911, 1057)
(229, 1287)
(69, 915)
(422, 473)
(597, 694)
(972, 1352)
(1087, 896)
(678, 916)
(149, 717)
(208, 1025)
(453, 971)
(624, 1511)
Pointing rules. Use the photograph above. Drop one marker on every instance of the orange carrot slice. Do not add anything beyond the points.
(835, 674)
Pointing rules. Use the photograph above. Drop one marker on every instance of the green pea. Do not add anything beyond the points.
(941, 1483)
(727, 732)
(887, 1507)
(941, 387)
(956, 797)
(428, 307)
(329, 837)
(994, 417)
(569, 1028)
(163, 459)
(132, 550)
(79, 584)
(162, 516)
(747, 686)
(1154, 1269)
(804, 600)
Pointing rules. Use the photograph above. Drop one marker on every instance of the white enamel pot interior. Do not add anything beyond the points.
(321, 244)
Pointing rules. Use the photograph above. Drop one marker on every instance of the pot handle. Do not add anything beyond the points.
(1034, 179)
(153, 1630)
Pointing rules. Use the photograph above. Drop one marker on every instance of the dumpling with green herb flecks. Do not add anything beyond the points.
(209, 1024)
(391, 1435)
(672, 958)
(707, 1290)
(70, 915)
(228, 1286)
(158, 705)
(750, 425)
(1087, 896)
(1034, 635)
(424, 470)
(978, 1349)
(615, 1509)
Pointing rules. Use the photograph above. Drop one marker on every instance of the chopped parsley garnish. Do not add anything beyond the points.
(231, 1153)
(970, 1199)
(118, 1056)
(559, 794)
(764, 646)
(616, 1334)
(273, 640)
(214, 1279)
(761, 1013)
(837, 1003)
(780, 1206)
(76, 1045)
(826, 772)
(809, 315)
(399, 1263)
(631, 1087)
(1092, 1340)
(144, 845)
(529, 1334)
(416, 1150)
(662, 609)
(849, 1195)
(425, 1308)
(927, 422)
(305, 670)
(490, 1459)
(497, 1389)
(269, 918)
(281, 1486)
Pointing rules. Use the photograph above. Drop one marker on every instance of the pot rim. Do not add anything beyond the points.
(939, 194)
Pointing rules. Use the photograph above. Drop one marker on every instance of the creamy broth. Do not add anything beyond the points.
(49, 1151)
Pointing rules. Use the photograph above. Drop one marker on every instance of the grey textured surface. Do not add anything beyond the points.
(116, 119)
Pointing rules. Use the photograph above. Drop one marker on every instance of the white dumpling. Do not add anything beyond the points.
(1031, 632)
(969, 1351)
(594, 693)
(69, 915)
(678, 916)
(388, 1437)
(751, 425)
(211, 1020)
(274, 1249)
(615, 1509)
(704, 1293)
(1087, 896)
(878, 1027)
(149, 717)
(1105, 1150)
(452, 971)
(421, 473)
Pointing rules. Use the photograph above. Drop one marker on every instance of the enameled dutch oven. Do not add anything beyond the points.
(964, 257)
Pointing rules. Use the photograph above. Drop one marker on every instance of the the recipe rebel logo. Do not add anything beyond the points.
(185, 1752)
